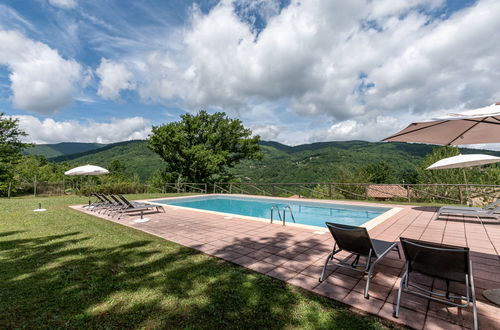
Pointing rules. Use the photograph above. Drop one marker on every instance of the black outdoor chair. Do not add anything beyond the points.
(445, 262)
(358, 243)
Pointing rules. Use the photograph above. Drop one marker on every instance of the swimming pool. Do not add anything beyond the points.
(304, 212)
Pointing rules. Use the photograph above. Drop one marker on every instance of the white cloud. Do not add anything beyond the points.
(356, 62)
(374, 129)
(113, 78)
(51, 131)
(266, 132)
(355, 66)
(41, 80)
(10, 17)
(66, 4)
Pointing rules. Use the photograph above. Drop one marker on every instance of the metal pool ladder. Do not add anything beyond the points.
(287, 207)
(275, 207)
(282, 218)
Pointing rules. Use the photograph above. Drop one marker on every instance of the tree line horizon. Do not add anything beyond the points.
(205, 148)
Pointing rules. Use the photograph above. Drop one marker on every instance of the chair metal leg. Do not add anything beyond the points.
(473, 296)
(399, 252)
(369, 269)
(402, 283)
(367, 286)
(322, 277)
(370, 266)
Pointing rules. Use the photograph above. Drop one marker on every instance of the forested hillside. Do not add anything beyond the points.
(134, 155)
(324, 161)
(62, 149)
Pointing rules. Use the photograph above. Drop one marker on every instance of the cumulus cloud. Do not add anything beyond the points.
(266, 132)
(41, 80)
(356, 64)
(346, 60)
(52, 131)
(66, 4)
(350, 129)
(113, 78)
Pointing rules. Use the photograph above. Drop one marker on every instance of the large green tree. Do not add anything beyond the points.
(380, 172)
(11, 148)
(202, 147)
(440, 176)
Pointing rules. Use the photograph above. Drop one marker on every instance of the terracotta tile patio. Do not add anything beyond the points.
(296, 255)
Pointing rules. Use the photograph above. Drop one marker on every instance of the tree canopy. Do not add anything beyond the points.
(202, 147)
(479, 175)
(11, 148)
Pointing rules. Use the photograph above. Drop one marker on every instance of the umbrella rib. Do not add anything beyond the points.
(468, 129)
(415, 130)
(484, 121)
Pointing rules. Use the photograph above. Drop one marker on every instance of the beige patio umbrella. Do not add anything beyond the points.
(469, 127)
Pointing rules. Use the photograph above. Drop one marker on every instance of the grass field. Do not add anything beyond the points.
(64, 269)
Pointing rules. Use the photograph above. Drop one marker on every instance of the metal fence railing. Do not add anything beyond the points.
(43, 188)
(436, 193)
(433, 193)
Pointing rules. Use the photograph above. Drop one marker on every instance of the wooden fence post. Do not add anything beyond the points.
(34, 186)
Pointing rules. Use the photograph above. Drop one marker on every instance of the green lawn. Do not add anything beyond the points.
(65, 269)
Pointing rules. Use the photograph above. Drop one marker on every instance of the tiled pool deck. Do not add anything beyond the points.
(296, 255)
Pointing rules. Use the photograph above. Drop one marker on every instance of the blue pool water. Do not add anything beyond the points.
(307, 213)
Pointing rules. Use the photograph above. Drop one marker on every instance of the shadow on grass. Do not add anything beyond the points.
(9, 233)
(62, 281)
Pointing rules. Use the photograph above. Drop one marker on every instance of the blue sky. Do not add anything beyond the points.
(295, 72)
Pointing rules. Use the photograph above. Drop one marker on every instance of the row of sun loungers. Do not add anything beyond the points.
(438, 261)
(117, 205)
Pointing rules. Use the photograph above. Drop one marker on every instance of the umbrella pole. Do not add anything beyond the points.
(89, 189)
(466, 187)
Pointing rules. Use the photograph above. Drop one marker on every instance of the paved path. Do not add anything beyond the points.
(296, 255)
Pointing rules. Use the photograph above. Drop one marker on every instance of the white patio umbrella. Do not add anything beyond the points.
(87, 170)
(469, 127)
(463, 161)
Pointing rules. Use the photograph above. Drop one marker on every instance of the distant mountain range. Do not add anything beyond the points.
(62, 149)
(281, 163)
